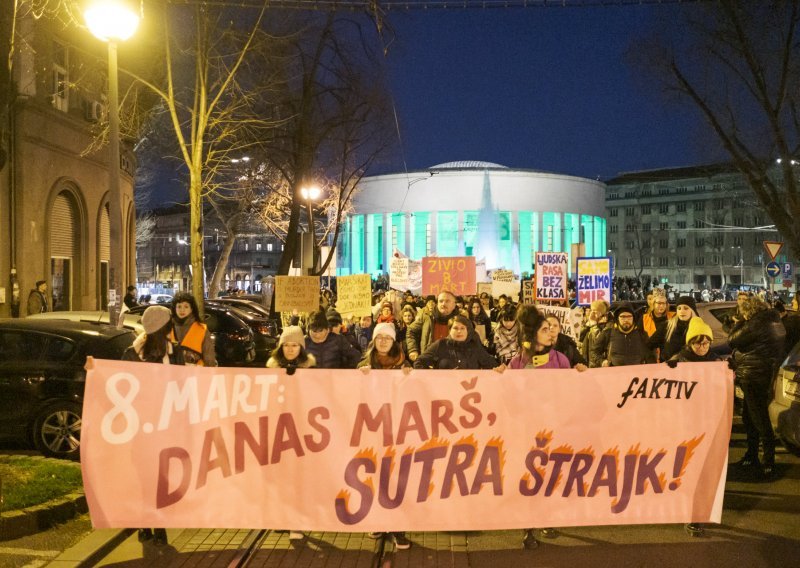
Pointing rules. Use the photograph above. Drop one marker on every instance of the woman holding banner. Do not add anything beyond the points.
(154, 346)
(461, 349)
(385, 352)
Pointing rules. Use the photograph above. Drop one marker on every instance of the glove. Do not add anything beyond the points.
(672, 363)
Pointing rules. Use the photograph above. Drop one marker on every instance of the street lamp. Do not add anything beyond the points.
(113, 21)
(311, 194)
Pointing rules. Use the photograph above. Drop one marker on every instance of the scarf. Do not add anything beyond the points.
(389, 362)
(506, 342)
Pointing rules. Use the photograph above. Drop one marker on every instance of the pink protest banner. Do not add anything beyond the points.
(448, 273)
(334, 450)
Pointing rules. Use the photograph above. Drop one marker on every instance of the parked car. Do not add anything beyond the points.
(159, 298)
(718, 315)
(42, 378)
(234, 341)
(784, 410)
(131, 321)
(265, 330)
(242, 303)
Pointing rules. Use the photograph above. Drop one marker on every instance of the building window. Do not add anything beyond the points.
(646, 193)
(258, 246)
(629, 211)
(663, 243)
(680, 207)
(646, 244)
(680, 243)
(699, 205)
(630, 194)
(629, 262)
(269, 247)
(699, 223)
(738, 241)
(629, 245)
(738, 221)
(718, 241)
(646, 228)
(613, 195)
(699, 242)
(612, 229)
(714, 259)
(629, 228)
(681, 224)
(680, 190)
(645, 209)
(663, 208)
(681, 261)
(663, 261)
(60, 88)
(663, 226)
(700, 260)
(647, 261)
(663, 191)
(612, 212)
(701, 187)
(719, 203)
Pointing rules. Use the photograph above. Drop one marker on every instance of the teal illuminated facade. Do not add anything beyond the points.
(474, 209)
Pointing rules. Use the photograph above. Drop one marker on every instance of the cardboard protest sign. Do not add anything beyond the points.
(571, 319)
(510, 289)
(594, 280)
(527, 292)
(455, 274)
(398, 274)
(551, 276)
(502, 275)
(354, 295)
(484, 287)
(447, 450)
(299, 293)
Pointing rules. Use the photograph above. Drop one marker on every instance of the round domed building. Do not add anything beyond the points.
(476, 209)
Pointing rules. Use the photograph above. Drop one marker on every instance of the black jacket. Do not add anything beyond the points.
(334, 353)
(566, 345)
(449, 354)
(669, 348)
(686, 355)
(757, 346)
(625, 348)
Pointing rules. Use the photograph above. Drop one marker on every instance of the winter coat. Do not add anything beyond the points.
(686, 355)
(134, 352)
(650, 322)
(757, 346)
(273, 363)
(37, 303)
(567, 346)
(622, 349)
(449, 354)
(557, 360)
(668, 348)
(180, 329)
(506, 342)
(589, 350)
(334, 353)
(420, 333)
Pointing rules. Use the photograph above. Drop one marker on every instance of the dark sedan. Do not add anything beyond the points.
(42, 379)
(264, 329)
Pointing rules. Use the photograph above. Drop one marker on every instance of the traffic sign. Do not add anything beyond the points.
(773, 248)
(773, 269)
(787, 283)
(787, 270)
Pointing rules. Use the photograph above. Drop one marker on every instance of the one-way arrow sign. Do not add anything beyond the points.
(773, 269)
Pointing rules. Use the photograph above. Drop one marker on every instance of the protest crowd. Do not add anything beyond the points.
(404, 331)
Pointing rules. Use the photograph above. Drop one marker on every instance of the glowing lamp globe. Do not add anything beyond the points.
(111, 19)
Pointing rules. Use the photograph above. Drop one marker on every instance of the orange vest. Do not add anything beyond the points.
(649, 325)
(193, 340)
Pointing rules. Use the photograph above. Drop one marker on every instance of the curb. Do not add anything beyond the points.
(28, 521)
(91, 549)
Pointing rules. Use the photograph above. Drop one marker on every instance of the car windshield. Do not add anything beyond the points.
(722, 315)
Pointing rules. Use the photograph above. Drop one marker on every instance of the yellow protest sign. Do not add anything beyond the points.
(299, 293)
(354, 295)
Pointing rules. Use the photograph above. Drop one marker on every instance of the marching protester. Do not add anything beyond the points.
(363, 332)
(623, 343)
(386, 314)
(330, 350)
(506, 335)
(658, 313)
(291, 354)
(407, 316)
(502, 302)
(537, 353)
(670, 335)
(593, 327)
(154, 346)
(460, 349)
(757, 342)
(191, 336)
(563, 343)
(481, 321)
(430, 326)
(698, 344)
(385, 352)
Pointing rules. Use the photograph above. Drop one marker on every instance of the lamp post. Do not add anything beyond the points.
(113, 21)
(311, 194)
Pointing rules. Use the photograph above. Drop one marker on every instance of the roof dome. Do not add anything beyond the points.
(468, 164)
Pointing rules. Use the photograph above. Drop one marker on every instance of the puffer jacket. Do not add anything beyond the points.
(334, 353)
(757, 346)
(449, 354)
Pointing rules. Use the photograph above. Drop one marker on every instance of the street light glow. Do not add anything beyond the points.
(310, 193)
(111, 19)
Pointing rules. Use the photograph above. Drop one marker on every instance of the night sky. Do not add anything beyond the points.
(539, 88)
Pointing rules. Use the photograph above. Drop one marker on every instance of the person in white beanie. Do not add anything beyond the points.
(291, 354)
(154, 346)
(385, 352)
(291, 351)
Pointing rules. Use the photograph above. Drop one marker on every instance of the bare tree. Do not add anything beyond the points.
(736, 61)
